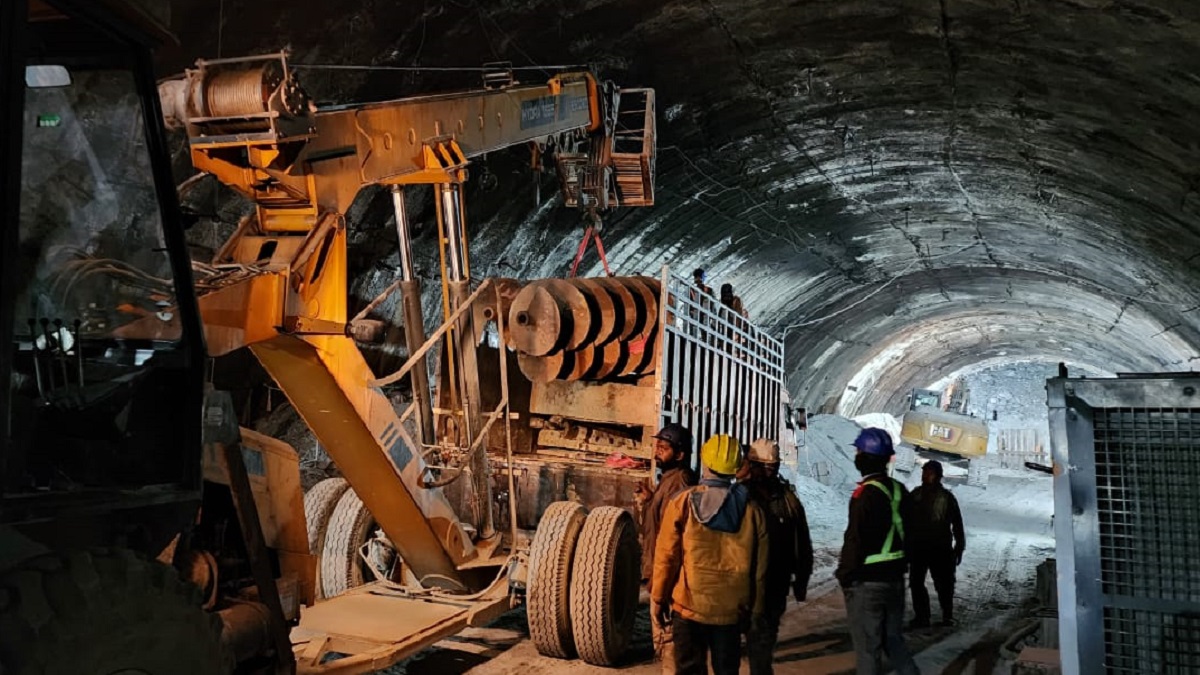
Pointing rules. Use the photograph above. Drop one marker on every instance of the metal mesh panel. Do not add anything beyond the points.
(1148, 499)
(724, 374)
(1150, 642)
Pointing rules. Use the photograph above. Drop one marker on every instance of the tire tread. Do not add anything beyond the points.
(551, 558)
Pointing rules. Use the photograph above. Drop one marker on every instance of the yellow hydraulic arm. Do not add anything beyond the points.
(279, 284)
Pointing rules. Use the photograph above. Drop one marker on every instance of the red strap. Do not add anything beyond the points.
(590, 233)
(603, 258)
(579, 253)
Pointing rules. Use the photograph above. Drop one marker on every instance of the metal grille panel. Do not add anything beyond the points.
(1148, 494)
(1139, 642)
(1127, 522)
(1147, 463)
(723, 374)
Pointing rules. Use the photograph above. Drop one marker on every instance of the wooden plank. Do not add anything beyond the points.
(605, 402)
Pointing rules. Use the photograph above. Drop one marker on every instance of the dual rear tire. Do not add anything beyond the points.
(584, 573)
(584, 570)
(339, 525)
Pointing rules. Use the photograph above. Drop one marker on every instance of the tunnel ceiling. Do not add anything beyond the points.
(898, 188)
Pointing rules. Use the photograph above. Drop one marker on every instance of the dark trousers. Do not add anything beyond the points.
(694, 641)
(940, 566)
(762, 637)
(875, 610)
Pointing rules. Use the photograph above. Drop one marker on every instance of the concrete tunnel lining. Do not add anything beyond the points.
(811, 153)
(933, 329)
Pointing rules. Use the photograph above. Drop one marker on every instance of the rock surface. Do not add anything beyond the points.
(900, 189)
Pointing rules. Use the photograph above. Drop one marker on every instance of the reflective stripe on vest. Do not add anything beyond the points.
(887, 554)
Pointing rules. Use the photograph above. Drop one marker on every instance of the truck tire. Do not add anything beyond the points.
(350, 526)
(548, 592)
(319, 503)
(105, 611)
(604, 586)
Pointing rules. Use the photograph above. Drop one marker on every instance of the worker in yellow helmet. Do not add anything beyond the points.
(710, 564)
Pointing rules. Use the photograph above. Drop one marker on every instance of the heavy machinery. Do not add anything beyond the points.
(422, 477)
(950, 434)
(511, 474)
(1125, 521)
(475, 495)
(603, 362)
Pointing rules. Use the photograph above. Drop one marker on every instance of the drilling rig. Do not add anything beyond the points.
(494, 485)
(528, 442)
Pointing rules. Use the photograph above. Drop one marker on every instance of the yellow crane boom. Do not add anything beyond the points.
(279, 284)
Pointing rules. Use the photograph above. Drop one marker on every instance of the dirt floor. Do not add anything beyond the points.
(1008, 534)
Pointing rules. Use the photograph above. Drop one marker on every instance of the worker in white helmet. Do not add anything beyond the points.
(791, 560)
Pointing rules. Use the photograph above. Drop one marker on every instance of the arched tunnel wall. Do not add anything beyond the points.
(899, 188)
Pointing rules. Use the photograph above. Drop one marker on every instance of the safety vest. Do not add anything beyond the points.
(887, 554)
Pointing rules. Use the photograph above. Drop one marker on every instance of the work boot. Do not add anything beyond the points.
(947, 622)
(918, 623)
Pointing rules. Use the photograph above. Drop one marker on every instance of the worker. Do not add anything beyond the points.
(872, 564)
(710, 564)
(732, 301)
(790, 563)
(673, 457)
(702, 298)
(699, 277)
(936, 545)
(737, 316)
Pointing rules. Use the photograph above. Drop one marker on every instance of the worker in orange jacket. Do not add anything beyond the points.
(710, 564)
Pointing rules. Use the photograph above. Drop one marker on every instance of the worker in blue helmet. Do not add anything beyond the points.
(699, 279)
(872, 564)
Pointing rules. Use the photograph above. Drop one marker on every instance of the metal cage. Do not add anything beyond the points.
(1127, 522)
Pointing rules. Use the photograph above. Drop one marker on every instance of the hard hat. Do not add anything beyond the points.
(677, 435)
(934, 466)
(764, 451)
(722, 454)
(874, 441)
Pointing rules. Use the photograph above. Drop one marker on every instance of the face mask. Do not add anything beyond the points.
(864, 464)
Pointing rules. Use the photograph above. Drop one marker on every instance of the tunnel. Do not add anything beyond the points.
(905, 192)
(899, 190)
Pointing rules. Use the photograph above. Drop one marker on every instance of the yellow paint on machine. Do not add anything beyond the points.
(935, 429)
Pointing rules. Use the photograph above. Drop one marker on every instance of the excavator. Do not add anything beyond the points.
(508, 477)
(102, 436)
(945, 432)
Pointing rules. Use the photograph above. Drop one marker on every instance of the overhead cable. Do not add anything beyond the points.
(473, 69)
